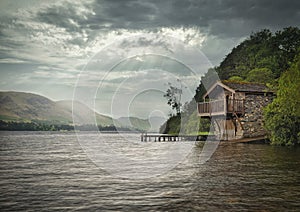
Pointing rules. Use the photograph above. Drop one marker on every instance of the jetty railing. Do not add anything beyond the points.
(166, 137)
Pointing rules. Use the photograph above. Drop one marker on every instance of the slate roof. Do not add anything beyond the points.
(247, 86)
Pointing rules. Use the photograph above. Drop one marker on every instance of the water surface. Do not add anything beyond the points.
(45, 171)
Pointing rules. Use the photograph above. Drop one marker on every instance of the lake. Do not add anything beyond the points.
(45, 171)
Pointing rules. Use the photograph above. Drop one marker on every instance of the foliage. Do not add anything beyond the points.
(47, 126)
(192, 123)
(32, 126)
(236, 79)
(173, 95)
(206, 82)
(262, 50)
(282, 116)
(171, 126)
(195, 124)
(262, 57)
(261, 75)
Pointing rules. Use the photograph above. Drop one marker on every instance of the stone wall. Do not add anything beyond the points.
(252, 121)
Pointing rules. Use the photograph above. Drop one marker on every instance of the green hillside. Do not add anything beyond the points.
(133, 122)
(263, 57)
(20, 106)
(26, 106)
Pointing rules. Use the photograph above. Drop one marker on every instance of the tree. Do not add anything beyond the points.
(173, 95)
(282, 116)
(255, 58)
(262, 50)
(261, 75)
(171, 126)
(196, 125)
(206, 82)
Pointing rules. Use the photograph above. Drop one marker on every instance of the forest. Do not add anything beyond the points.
(47, 126)
(266, 57)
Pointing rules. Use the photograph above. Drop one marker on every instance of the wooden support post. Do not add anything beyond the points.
(225, 106)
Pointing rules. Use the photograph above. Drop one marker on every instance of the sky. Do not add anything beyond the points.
(119, 56)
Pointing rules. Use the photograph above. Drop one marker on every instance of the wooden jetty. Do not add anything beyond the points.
(166, 137)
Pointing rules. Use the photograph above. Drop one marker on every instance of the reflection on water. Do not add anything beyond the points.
(50, 171)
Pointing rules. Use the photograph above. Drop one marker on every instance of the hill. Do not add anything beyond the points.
(83, 114)
(262, 50)
(133, 122)
(20, 106)
(27, 107)
(263, 57)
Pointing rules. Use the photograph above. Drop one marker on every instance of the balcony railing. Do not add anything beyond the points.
(221, 107)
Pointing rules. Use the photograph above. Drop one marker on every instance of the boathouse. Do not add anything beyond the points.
(236, 109)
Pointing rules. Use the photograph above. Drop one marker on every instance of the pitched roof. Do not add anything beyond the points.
(246, 86)
(234, 86)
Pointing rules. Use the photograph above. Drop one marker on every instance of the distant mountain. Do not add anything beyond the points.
(83, 114)
(133, 123)
(19, 106)
(151, 125)
(27, 107)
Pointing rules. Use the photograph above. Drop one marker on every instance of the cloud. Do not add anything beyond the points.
(209, 15)
(12, 61)
(50, 42)
(61, 32)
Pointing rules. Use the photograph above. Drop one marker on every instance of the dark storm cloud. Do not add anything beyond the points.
(63, 15)
(229, 17)
(220, 20)
(104, 15)
(51, 40)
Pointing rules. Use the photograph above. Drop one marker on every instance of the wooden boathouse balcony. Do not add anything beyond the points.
(221, 107)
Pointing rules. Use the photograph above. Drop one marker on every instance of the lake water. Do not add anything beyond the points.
(45, 171)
